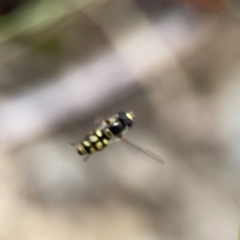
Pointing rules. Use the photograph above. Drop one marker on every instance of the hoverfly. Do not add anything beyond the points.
(111, 129)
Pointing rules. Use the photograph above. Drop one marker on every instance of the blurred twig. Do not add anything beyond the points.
(36, 19)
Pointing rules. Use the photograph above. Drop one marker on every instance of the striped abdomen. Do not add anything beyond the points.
(95, 141)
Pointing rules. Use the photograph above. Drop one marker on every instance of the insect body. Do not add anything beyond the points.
(110, 130)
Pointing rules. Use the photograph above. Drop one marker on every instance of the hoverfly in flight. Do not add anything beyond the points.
(111, 129)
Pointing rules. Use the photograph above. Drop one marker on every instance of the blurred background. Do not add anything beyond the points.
(175, 64)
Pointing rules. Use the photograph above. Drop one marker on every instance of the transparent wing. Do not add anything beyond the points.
(98, 120)
(144, 151)
(78, 122)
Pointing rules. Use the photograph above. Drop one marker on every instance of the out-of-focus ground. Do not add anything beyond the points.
(177, 66)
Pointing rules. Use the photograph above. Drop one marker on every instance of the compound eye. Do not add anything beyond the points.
(127, 121)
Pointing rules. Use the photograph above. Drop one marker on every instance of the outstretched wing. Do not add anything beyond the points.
(144, 151)
(102, 122)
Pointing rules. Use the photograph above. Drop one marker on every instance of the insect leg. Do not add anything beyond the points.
(86, 158)
(74, 143)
